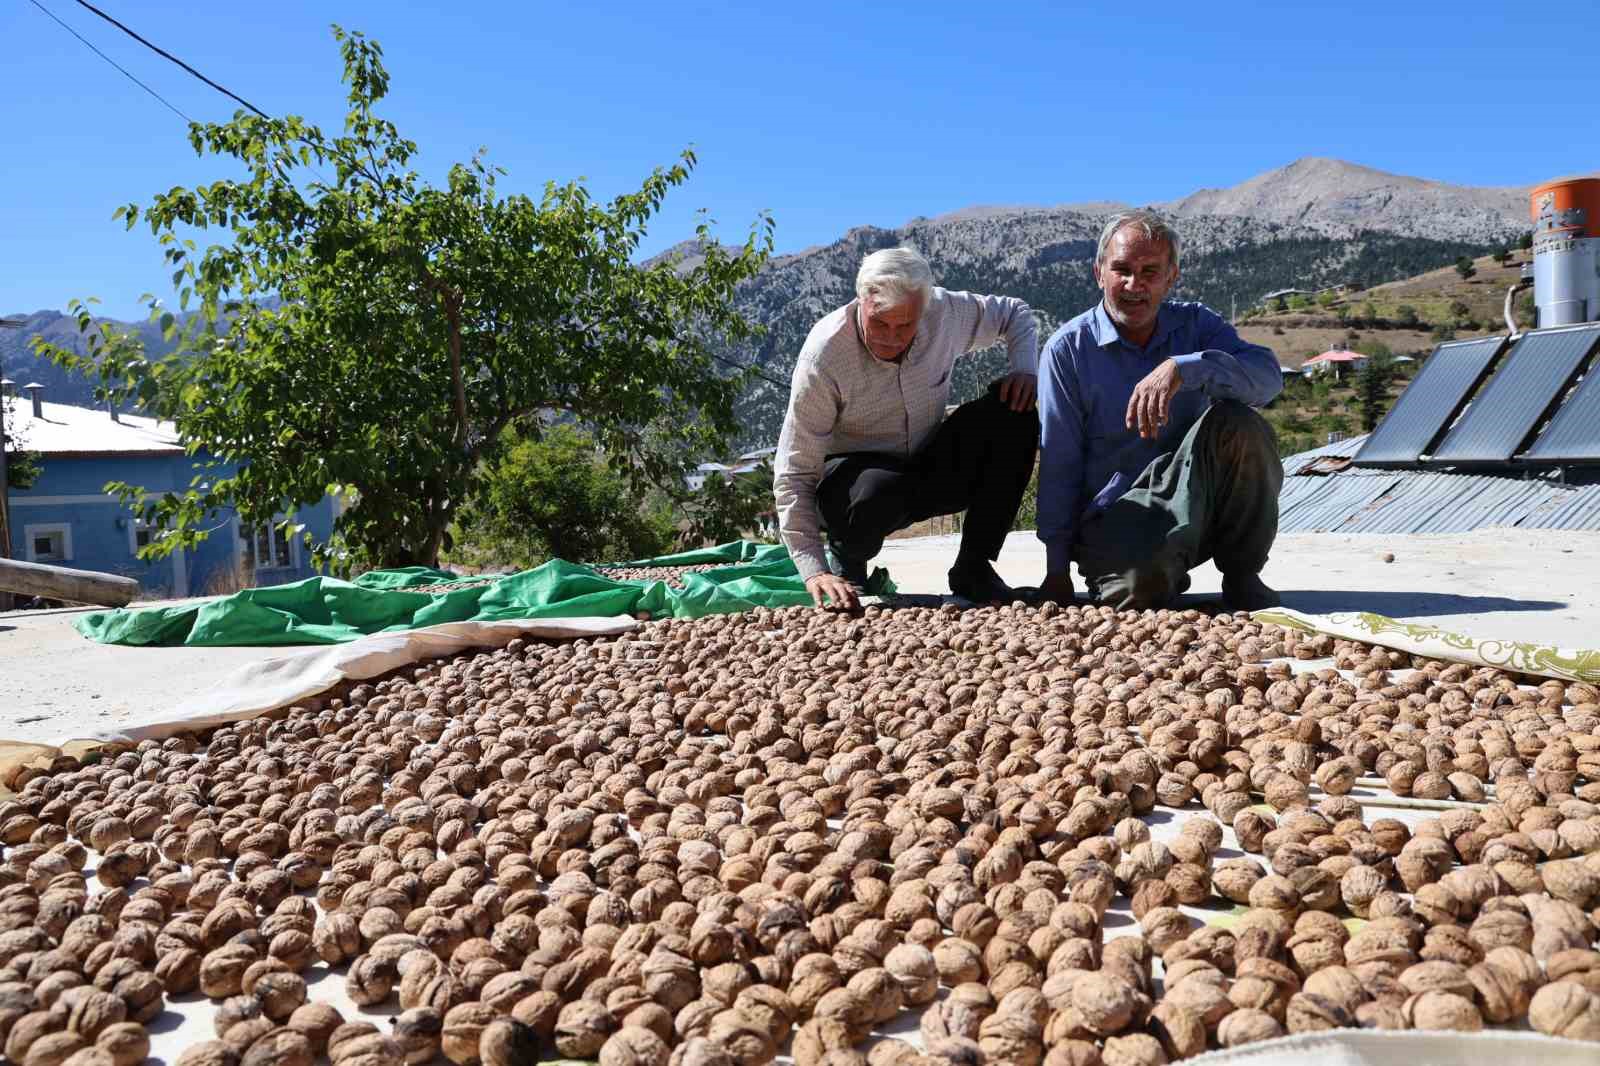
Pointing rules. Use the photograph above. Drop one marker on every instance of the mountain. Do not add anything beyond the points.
(1337, 198)
(1313, 223)
(18, 362)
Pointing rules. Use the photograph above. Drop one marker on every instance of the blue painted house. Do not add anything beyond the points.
(67, 518)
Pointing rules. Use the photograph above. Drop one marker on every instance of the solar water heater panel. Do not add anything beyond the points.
(1573, 435)
(1536, 373)
(1426, 406)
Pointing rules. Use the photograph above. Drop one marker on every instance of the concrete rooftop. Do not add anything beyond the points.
(1535, 585)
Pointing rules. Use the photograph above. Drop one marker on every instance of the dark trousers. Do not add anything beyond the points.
(979, 461)
(1215, 497)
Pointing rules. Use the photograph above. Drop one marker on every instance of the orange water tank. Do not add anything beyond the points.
(1566, 250)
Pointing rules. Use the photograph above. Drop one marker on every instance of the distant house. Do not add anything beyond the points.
(1337, 361)
(68, 518)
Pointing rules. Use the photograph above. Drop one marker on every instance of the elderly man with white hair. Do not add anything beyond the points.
(866, 448)
(1151, 459)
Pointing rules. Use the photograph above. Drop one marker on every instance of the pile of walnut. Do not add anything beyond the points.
(701, 841)
(672, 575)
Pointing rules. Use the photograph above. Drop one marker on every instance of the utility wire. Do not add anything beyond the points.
(113, 62)
(168, 55)
(757, 371)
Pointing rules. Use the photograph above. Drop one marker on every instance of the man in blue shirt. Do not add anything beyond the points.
(1151, 459)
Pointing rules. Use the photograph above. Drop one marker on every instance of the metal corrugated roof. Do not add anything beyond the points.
(1578, 509)
(1358, 500)
(1344, 449)
(1330, 503)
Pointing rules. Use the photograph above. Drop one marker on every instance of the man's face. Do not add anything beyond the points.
(889, 330)
(1135, 277)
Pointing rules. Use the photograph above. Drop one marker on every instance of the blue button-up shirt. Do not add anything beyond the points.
(1087, 373)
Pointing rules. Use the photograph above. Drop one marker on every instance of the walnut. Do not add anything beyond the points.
(1012, 1038)
(1442, 1010)
(1558, 925)
(53, 1049)
(915, 970)
(1165, 926)
(337, 938)
(581, 1028)
(316, 1022)
(502, 1042)
(222, 970)
(127, 1043)
(958, 961)
(1565, 1008)
(419, 1032)
(1247, 1027)
(179, 971)
(1337, 985)
(233, 1010)
(698, 1051)
(241, 1035)
(1181, 1031)
(1135, 1049)
(1571, 880)
(960, 1014)
(1073, 1053)
(746, 1041)
(142, 994)
(285, 1047)
(1233, 878)
(539, 1010)
(769, 1007)
(369, 982)
(208, 1053)
(1105, 1004)
(1308, 1012)
(1437, 976)
(280, 994)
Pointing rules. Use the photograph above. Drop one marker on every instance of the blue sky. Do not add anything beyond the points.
(828, 115)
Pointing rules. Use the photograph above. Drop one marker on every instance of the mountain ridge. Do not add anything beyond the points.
(1313, 222)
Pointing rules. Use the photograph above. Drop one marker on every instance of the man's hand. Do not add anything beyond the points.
(1151, 403)
(831, 590)
(1017, 391)
(1058, 587)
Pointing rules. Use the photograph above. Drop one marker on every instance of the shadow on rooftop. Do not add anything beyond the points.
(1400, 604)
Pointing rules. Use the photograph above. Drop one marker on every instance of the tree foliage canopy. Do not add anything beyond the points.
(555, 496)
(368, 333)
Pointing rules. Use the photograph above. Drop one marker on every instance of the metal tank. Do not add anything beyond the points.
(1566, 251)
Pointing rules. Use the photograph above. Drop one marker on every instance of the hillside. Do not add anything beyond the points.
(1311, 224)
(1409, 317)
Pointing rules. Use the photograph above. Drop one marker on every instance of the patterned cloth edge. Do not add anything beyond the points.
(1566, 664)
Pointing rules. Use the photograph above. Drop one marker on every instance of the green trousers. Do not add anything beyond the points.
(1215, 497)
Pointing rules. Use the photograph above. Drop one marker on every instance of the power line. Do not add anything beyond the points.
(168, 55)
(757, 371)
(113, 62)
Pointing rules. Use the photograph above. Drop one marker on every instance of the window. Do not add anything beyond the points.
(266, 547)
(48, 543)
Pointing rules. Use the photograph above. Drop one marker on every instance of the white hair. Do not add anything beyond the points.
(894, 276)
(1152, 225)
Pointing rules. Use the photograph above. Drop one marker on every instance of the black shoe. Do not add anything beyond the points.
(978, 582)
(1247, 592)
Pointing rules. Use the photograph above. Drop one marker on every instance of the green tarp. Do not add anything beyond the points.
(325, 610)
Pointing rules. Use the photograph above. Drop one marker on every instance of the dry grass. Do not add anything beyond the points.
(1296, 335)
